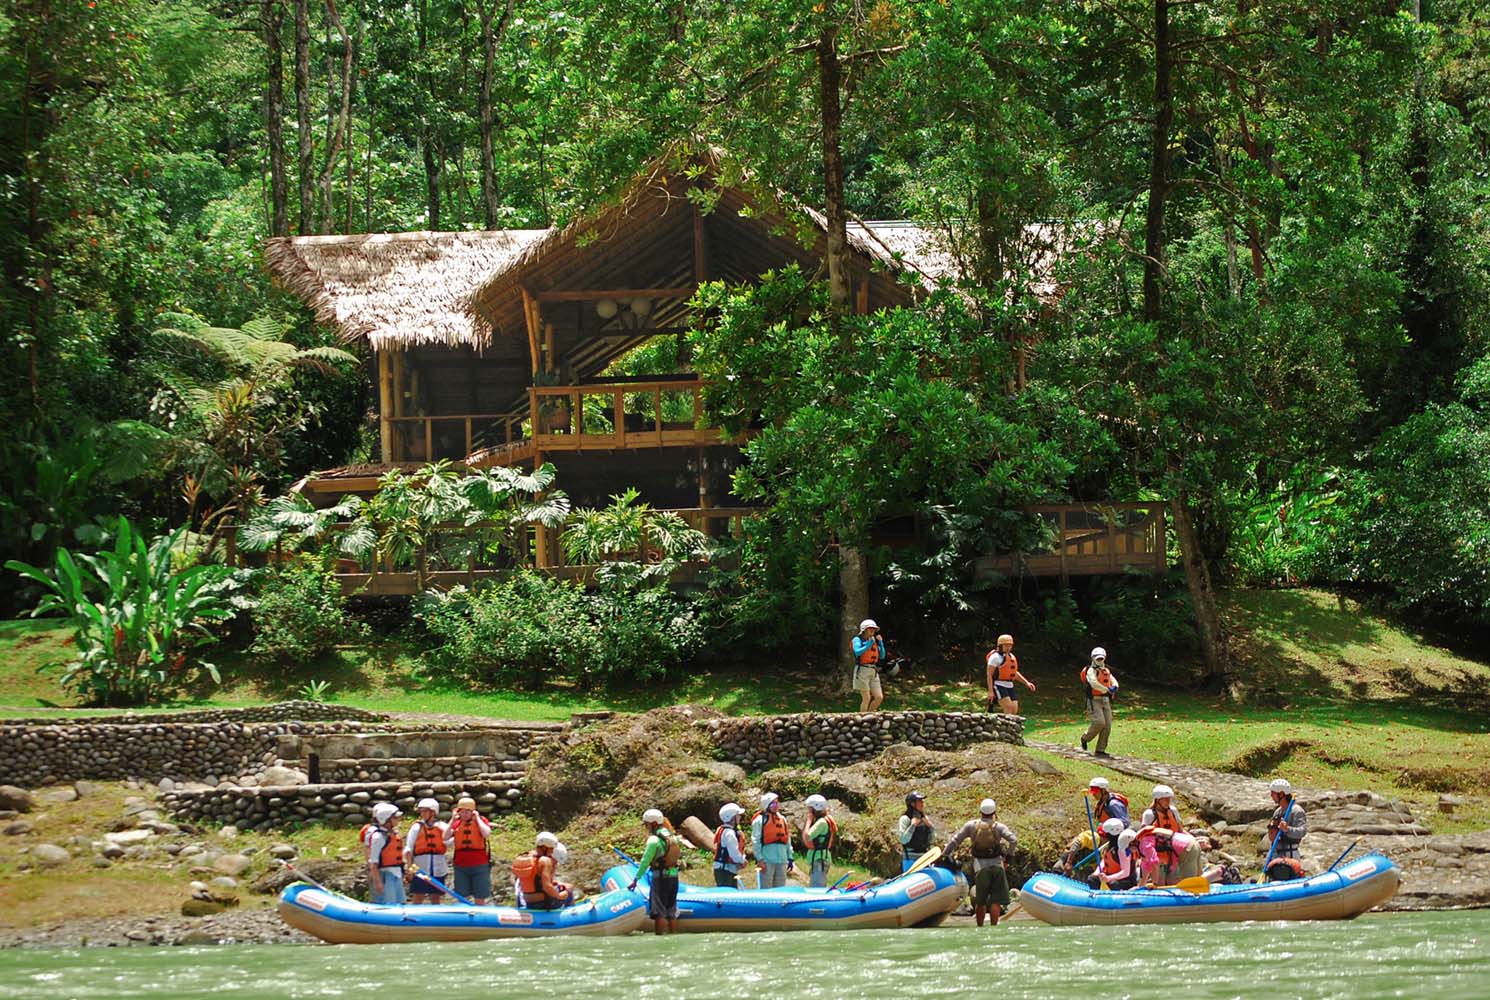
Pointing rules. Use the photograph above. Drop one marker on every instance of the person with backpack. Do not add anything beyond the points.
(385, 856)
(729, 853)
(469, 832)
(819, 837)
(869, 653)
(989, 841)
(1003, 671)
(771, 842)
(664, 849)
(424, 853)
(1099, 686)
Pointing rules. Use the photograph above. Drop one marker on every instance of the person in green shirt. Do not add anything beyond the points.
(661, 859)
(819, 836)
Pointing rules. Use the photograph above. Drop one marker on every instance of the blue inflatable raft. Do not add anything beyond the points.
(342, 920)
(1340, 894)
(922, 899)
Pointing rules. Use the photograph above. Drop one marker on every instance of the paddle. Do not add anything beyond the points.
(1343, 853)
(445, 889)
(840, 881)
(306, 878)
(1091, 823)
(931, 856)
(1268, 860)
(1198, 884)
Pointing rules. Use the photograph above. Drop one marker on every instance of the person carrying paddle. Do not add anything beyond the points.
(915, 830)
(1100, 686)
(989, 841)
(1285, 830)
(729, 854)
(818, 837)
(664, 848)
(424, 853)
(1107, 804)
(1003, 671)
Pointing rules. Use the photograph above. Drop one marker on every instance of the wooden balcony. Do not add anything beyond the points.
(1090, 540)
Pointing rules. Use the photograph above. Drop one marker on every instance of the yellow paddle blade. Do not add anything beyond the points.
(1198, 885)
(930, 857)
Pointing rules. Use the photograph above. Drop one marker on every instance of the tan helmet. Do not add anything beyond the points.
(1006, 637)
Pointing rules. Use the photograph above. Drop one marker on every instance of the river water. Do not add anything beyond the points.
(1390, 955)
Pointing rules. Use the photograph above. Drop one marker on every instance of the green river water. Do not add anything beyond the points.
(1394, 955)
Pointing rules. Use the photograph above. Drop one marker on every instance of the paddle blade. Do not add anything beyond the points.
(1198, 885)
(931, 857)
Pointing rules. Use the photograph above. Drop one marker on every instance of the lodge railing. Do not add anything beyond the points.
(1092, 539)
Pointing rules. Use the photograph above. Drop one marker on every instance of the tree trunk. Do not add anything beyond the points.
(274, 110)
(853, 582)
(1153, 234)
(490, 33)
(302, 117)
(338, 133)
(434, 158)
(1213, 643)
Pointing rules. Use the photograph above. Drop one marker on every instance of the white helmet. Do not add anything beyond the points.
(767, 799)
(546, 839)
(429, 804)
(729, 812)
(817, 803)
(1101, 783)
(1126, 838)
(1099, 653)
(988, 807)
(561, 853)
(1163, 792)
(1281, 785)
(1113, 827)
(652, 816)
(867, 623)
(384, 811)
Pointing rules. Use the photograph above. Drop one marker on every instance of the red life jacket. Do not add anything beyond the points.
(429, 840)
(773, 829)
(467, 836)
(720, 857)
(871, 654)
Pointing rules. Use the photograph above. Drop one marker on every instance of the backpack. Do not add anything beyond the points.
(671, 853)
(985, 840)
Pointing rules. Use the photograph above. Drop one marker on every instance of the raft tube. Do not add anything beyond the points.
(923, 899)
(1345, 892)
(342, 920)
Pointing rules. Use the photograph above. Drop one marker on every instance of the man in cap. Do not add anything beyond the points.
(469, 831)
(771, 842)
(869, 653)
(989, 841)
(664, 848)
(385, 856)
(1003, 671)
(729, 853)
(424, 853)
(1100, 686)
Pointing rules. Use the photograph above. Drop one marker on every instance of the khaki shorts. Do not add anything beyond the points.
(867, 679)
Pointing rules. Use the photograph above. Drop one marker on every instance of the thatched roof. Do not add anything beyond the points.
(396, 289)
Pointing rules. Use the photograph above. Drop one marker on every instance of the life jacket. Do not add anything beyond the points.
(824, 841)
(1103, 814)
(527, 873)
(468, 837)
(1170, 820)
(1005, 671)
(1284, 869)
(986, 843)
(1112, 862)
(721, 856)
(392, 854)
(871, 654)
(773, 828)
(920, 839)
(1092, 692)
(431, 840)
(672, 850)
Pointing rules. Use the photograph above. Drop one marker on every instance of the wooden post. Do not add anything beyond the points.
(429, 440)
(385, 408)
(657, 412)
(700, 248)
(1061, 529)
(861, 296)
(530, 319)
(620, 418)
(468, 437)
(550, 363)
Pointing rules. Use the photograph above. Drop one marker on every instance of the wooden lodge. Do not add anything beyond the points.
(496, 347)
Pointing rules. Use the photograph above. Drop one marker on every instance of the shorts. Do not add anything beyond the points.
(420, 886)
(473, 881)
(867, 679)
(991, 886)
(662, 904)
(1002, 690)
(392, 892)
(725, 879)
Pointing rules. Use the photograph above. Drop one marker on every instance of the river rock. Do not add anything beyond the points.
(285, 852)
(229, 832)
(15, 798)
(17, 828)
(99, 861)
(85, 788)
(226, 883)
(696, 833)
(126, 837)
(57, 796)
(232, 864)
(281, 776)
(205, 907)
(50, 855)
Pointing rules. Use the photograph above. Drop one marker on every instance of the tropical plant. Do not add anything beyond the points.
(315, 690)
(300, 613)
(630, 543)
(134, 614)
(291, 523)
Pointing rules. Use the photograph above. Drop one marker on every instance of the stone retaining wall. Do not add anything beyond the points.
(284, 711)
(269, 807)
(490, 741)
(758, 743)
(35, 756)
(335, 771)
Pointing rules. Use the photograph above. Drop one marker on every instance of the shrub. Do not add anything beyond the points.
(531, 629)
(301, 613)
(135, 615)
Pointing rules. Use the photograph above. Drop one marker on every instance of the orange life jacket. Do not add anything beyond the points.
(1111, 863)
(773, 829)
(468, 836)
(392, 854)
(430, 840)
(825, 842)
(720, 856)
(871, 654)
(1104, 676)
(1102, 813)
(1168, 820)
(527, 872)
(1004, 672)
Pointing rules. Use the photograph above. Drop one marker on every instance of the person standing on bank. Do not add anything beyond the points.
(469, 831)
(915, 830)
(385, 856)
(869, 653)
(1100, 686)
(729, 854)
(1003, 671)
(424, 853)
(989, 841)
(771, 842)
(819, 837)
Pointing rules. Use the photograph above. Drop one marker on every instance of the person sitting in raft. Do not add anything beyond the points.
(664, 848)
(989, 841)
(469, 831)
(1080, 852)
(729, 854)
(915, 830)
(771, 842)
(1107, 804)
(1115, 862)
(1003, 671)
(385, 856)
(1285, 830)
(533, 876)
(1178, 856)
(424, 853)
(869, 653)
(819, 836)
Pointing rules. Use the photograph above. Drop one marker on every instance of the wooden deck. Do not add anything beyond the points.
(1090, 540)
